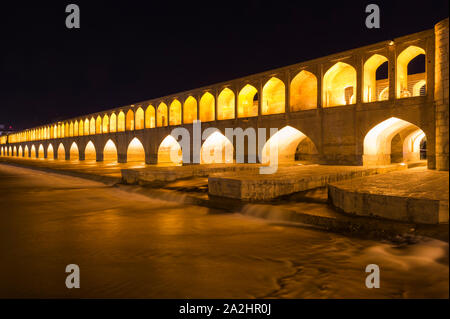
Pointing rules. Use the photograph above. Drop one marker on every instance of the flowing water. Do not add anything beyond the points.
(128, 245)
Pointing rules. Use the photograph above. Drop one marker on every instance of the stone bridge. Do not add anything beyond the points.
(362, 106)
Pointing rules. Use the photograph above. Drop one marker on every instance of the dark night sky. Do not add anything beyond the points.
(130, 51)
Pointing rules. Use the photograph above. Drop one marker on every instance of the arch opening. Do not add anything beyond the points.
(135, 151)
(121, 122)
(216, 149)
(303, 92)
(98, 125)
(139, 123)
(175, 113)
(169, 151)
(248, 101)
(129, 125)
(393, 141)
(110, 152)
(105, 128)
(89, 152)
(339, 85)
(207, 107)
(40, 151)
(289, 145)
(411, 69)
(189, 110)
(150, 117)
(226, 105)
(20, 151)
(113, 123)
(274, 97)
(376, 79)
(27, 152)
(50, 152)
(62, 152)
(74, 152)
(161, 115)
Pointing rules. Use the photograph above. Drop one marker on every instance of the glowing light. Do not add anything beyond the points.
(225, 105)
(303, 91)
(135, 151)
(336, 83)
(402, 69)
(274, 97)
(285, 143)
(89, 152)
(248, 101)
(169, 151)
(216, 149)
(110, 151)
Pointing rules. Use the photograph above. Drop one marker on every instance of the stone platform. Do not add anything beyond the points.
(250, 185)
(416, 195)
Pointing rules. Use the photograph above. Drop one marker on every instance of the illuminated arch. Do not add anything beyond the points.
(121, 122)
(384, 94)
(71, 132)
(89, 152)
(370, 81)
(377, 142)
(92, 126)
(283, 145)
(139, 122)
(110, 151)
(339, 85)
(189, 110)
(129, 120)
(303, 93)
(81, 128)
(248, 101)
(273, 97)
(41, 151)
(175, 113)
(66, 130)
(113, 123)
(26, 151)
(105, 128)
(207, 107)
(14, 151)
(226, 105)
(20, 151)
(135, 151)
(62, 152)
(150, 117)
(50, 152)
(403, 60)
(411, 146)
(10, 152)
(98, 125)
(169, 151)
(161, 115)
(86, 127)
(74, 152)
(216, 149)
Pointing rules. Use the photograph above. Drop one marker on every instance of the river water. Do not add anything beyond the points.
(131, 246)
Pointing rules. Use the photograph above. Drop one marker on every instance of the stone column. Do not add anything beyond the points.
(441, 94)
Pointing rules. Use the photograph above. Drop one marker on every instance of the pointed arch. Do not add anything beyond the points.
(139, 122)
(105, 128)
(273, 97)
(14, 151)
(216, 149)
(248, 101)
(86, 127)
(113, 123)
(71, 131)
(370, 84)
(130, 120)
(339, 85)
(41, 151)
(81, 128)
(121, 122)
(26, 150)
(150, 117)
(175, 113)
(74, 152)
(226, 105)
(207, 107)
(303, 92)
(161, 115)
(284, 144)
(92, 126)
(98, 125)
(403, 82)
(169, 151)
(110, 152)
(90, 153)
(62, 152)
(419, 88)
(135, 151)
(377, 142)
(189, 110)
(50, 152)
(20, 151)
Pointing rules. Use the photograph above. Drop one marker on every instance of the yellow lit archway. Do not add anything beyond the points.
(161, 115)
(41, 151)
(62, 152)
(121, 122)
(248, 101)
(303, 91)
(370, 84)
(105, 128)
(216, 149)
(98, 125)
(139, 119)
(403, 59)
(113, 123)
(50, 152)
(225, 105)
(89, 152)
(92, 126)
(169, 151)
(189, 110)
(74, 153)
(207, 107)
(130, 121)
(273, 97)
(110, 152)
(150, 117)
(339, 85)
(135, 151)
(175, 113)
